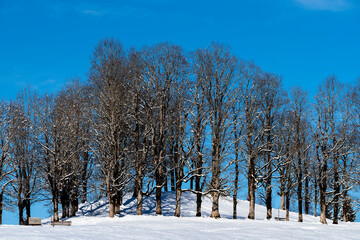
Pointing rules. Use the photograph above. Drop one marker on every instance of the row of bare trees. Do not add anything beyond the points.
(146, 120)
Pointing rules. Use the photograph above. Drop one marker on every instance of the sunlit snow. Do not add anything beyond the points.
(92, 222)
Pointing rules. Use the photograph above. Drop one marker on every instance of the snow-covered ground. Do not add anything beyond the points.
(92, 222)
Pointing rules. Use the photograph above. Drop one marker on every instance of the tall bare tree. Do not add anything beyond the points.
(250, 98)
(107, 77)
(272, 100)
(164, 66)
(326, 109)
(218, 70)
(24, 154)
(5, 166)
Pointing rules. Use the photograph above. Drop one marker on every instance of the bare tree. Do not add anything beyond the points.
(300, 126)
(107, 77)
(218, 69)
(327, 143)
(5, 168)
(163, 70)
(198, 121)
(51, 136)
(250, 74)
(23, 155)
(272, 100)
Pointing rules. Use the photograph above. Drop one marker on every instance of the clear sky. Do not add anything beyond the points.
(44, 43)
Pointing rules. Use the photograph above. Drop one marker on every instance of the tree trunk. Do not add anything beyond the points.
(282, 204)
(21, 213)
(323, 206)
(172, 179)
(63, 207)
(336, 191)
(282, 189)
(178, 200)
(315, 198)
(84, 192)
(84, 178)
(139, 205)
(287, 206)
(74, 207)
(215, 205)
(198, 171)
(28, 209)
(56, 207)
(251, 190)
(323, 210)
(118, 202)
(1, 206)
(68, 208)
(344, 207)
(198, 204)
(158, 179)
(215, 180)
(165, 181)
(299, 187)
(322, 187)
(268, 199)
(307, 197)
(234, 206)
(235, 189)
(112, 207)
(138, 187)
(299, 194)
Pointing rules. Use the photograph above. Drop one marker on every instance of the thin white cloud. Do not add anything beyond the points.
(325, 5)
(92, 12)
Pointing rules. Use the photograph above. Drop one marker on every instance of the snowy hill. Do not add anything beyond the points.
(92, 222)
(100, 208)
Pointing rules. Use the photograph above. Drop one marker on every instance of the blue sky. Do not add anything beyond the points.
(44, 43)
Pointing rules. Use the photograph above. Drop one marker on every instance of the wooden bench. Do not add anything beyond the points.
(61, 223)
(34, 221)
(280, 218)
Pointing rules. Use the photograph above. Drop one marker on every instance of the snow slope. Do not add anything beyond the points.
(92, 222)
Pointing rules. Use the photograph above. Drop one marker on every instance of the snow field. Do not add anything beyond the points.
(92, 222)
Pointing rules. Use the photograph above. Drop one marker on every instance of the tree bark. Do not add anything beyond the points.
(112, 207)
(138, 187)
(235, 189)
(251, 186)
(118, 202)
(1, 206)
(215, 205)
(158, 179)
(282, 204)
(21, 213)
(307, 197)
(336, 190)
(172, 179)
(28, 209)
(299, 195)
(74, 207)
(323, 186)
(287, 218)
(56, 207)
(215, 182)
(344, 207)
(198, 172)
(178, 201)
